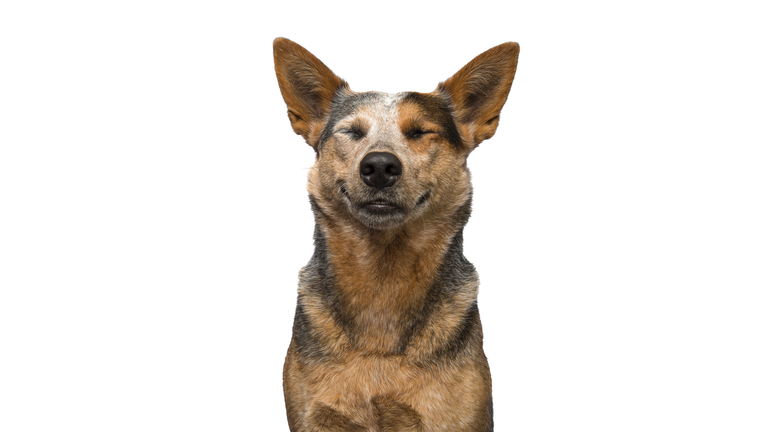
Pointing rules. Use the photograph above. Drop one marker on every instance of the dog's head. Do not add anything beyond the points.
(384, 160)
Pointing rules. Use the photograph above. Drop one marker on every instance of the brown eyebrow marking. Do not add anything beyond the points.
(412, 123)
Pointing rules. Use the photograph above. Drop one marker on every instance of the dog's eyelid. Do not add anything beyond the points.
(416, 127)
(353, 131)
(418, 133)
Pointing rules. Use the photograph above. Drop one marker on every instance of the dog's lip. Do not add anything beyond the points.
(376, 205)
(381, 206)
(346, 194)
(422, 199)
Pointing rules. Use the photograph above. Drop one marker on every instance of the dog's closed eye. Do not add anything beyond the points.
(353, 132)
(418, 133)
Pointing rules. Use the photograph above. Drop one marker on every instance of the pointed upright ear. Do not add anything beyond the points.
(478, 91)
(307, 85)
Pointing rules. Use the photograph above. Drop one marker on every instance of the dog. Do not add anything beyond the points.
(387, 334)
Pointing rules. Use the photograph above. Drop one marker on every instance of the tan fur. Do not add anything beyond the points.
(382, 338)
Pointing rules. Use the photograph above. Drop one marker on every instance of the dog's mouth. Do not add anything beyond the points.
(377, 206)
(381, 206)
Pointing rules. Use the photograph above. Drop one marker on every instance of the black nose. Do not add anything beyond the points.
(380, 169)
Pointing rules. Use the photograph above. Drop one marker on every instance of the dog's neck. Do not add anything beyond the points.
(381, 279)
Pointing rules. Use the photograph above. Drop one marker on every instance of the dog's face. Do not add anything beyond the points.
(384, 160)
(387, 159)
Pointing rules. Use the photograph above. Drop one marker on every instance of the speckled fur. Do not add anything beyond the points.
(387, 333)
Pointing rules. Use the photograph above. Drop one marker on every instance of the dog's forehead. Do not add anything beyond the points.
(374, 103)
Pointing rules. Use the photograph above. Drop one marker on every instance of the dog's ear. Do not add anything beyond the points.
(307, 85)
(479, 90)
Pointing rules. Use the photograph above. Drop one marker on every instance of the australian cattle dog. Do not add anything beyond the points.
(387, 333)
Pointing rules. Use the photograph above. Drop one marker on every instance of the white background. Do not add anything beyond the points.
(153, 211)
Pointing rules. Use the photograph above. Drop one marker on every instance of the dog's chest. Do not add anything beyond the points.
(377, 392)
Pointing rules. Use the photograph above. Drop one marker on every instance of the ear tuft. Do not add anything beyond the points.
(307, 85)
(479, 90)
